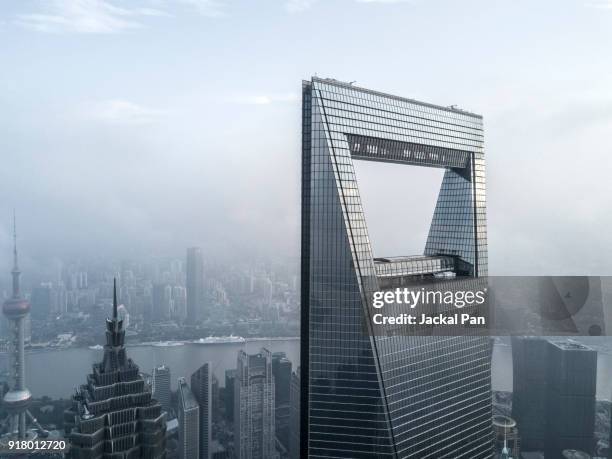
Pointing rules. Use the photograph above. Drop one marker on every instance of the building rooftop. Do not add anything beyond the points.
(570, 345)
(350, 85)
(186, 397)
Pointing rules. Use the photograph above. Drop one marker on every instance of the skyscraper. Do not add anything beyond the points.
(610, 437)
(230, 379)
(160, 382)
(529, 390)
(161, 297)
(194, 284)
(294, 422)
(281, 369)
(114, 414)
(17, 399)
(387, 396)
(201, 385)
(42, 301)
(530, 376)
(254, 406)
(189, 422)
(570, 407)
(553, 398)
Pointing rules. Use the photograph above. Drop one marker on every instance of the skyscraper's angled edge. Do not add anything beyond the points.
(397, 396)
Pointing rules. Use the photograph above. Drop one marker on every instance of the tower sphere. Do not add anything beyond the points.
(15, 307)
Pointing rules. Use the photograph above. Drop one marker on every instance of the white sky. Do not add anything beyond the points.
(152, 125)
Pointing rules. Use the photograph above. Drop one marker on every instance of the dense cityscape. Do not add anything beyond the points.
(167, 303)
(262, 391)
(227, 378)
(164, 300)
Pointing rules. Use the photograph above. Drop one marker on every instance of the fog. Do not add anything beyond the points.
(184, 129)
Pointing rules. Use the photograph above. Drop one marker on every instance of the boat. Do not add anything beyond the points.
(168, 343)
(221, 340)
(97, 347)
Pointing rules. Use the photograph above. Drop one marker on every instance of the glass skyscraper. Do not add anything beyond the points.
(387, 396)
(194, 284)
(189, 422)
(254, 426)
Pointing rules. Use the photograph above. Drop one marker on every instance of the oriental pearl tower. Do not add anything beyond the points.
(16, 400)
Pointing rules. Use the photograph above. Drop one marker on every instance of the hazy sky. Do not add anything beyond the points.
(148, 126)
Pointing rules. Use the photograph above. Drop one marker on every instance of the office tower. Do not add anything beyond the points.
(553, 398)
(610, 437)
(189, 422)
(194, 284)
(113, 414)
(16, 310)
(216, 398)
(254, 406)
(41, 301)
(48, 299)
(160, 382)
(294, 422)
(161, 297)
(201, 385)
(570, 408)
(230, 378)
(281, 369)
(387, 396)
(529, 375)
(179, 303)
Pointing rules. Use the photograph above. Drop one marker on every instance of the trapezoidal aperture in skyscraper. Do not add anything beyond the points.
(387, 396)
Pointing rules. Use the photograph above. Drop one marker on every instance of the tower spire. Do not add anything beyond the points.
(15, 264)
(114, 298)
(15, 272)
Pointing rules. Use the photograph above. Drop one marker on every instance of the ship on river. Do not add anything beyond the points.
(221, 340)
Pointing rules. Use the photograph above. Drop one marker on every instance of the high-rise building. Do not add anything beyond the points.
(610, 437)
(230, 379)
(189, 422)
(194, 284)
(201, 385)
(160, 385)
(387, 396)
(294, 422)
(254, 433)
(570, 407)
(41, 299)
(553, 398)
(216, 398)
(161, 298)
(48, 299)
(179, 303)
(529, 375)
(281, 369)
(16, 401)
(114, 414)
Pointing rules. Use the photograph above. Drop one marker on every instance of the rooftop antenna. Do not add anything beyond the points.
(114, 298)
(15, 241)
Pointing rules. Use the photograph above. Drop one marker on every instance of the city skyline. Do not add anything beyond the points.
(103, 129)
(84, 280)
(306, 229)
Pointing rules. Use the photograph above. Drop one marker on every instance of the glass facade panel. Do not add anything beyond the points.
(400, 396)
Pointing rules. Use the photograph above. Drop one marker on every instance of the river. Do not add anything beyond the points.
(55, 373)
